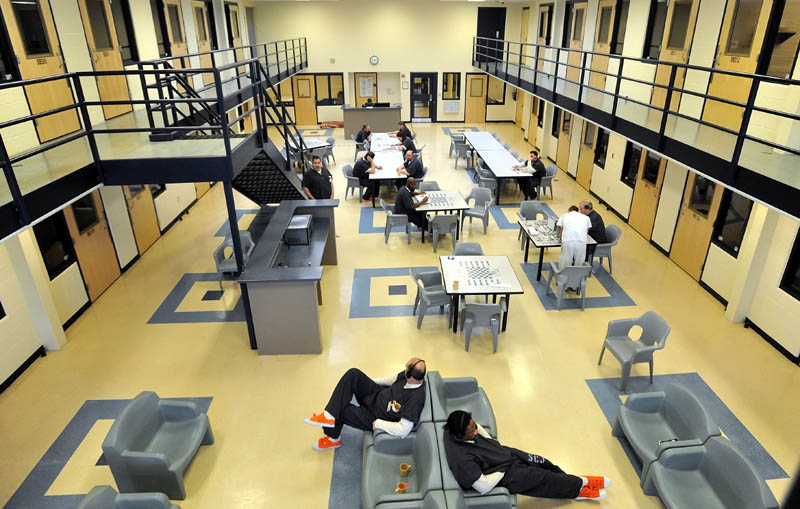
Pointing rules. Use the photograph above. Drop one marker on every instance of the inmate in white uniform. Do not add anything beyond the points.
(573, 238)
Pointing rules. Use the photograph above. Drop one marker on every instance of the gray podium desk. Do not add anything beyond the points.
(382, 119)
(281, 284)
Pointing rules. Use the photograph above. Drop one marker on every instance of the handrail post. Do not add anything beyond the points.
(146, 96)
(555, 75)
(616, 93)
(580, 83)
(159, 86)
(13, 185)
(257, 98)
(535, 67)
(87, 126)
(748, 112)
(665, 110)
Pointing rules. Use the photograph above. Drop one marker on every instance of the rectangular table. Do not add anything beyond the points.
(310, 143)
(379, 142)
(501, 164)
(389, 161)
(542, 236)
(482, 141)
(444, 201)
(479, 275)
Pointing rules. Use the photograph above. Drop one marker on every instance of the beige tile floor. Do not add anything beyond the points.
(263, 457)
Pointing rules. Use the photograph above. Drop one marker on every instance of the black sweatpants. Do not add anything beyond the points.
(528, 186)
(535, 476)
(353, 383)
(371, 186)
(419, 219)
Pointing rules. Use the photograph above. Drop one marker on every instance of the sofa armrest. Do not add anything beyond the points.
(665, 445)
(457, 387)
(144, 462)
(682, 458)
(176, 410)
(648, 402)
(143, 501)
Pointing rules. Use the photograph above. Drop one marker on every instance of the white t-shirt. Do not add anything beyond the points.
(576, 227)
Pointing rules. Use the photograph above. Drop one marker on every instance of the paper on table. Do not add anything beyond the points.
(501, 285)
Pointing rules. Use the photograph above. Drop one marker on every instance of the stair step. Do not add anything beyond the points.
(264, 183)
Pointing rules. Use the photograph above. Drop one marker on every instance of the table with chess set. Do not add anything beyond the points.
(542, 233)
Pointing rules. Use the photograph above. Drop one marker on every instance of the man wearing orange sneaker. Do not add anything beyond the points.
(392, 404)
(480, 462)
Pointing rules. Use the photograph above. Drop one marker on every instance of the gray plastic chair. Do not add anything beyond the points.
(653, 422)
(547, 181)
(430, 297)
(468, 249)
(433, 500)
(431, 280)
(530, 210)
(481, 200)
(106, 497)
(463, 393)
(393, 220)
(463, 152)
(482, 315)
(429, 185)
(507, 146)
(496, 136)
(227, 264)
(151, 443)
(516, 155)
(442, 224)
(713, 476)
(569, 277)
(418, 153)
(329, 150)
(352, 182)
(486, 179)
(454, 140)
(380, 474)
(629, 352)
(613, 233)
(458, 500)
(360, 147)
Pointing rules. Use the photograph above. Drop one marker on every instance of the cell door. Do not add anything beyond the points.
(475, 105)
(175, 30)
(32, 32)
(606, 12)
(143, 215)
(92, 240)
(699, 209)
(203, 30)
(543, 37)
(564, 140)
(234, 32)
(366, 87)
(533, 120)
(423, 97)
(586, 155)
(98, 23)
(576, 41)
(305, 105)
(646, 193)
(743, 29)
(520, 109)
(675, 45)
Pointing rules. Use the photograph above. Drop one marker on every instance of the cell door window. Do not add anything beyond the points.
(565, 125)
(55, 244)
(121, 12)
(540, 114)
(96, 11)
(85, 212)
(135, 189)
(556, 122)
(734, 213)
(620, 24)
(630, 165)
(175, 23)
(577, 31)
(655, 29)
(790, 282)
(588, 134)
(783, 56)
(601, 149)
(567, 25)
(162, 39)
(743, 27)
(605, 25)
(212, 32)
(546, 24)
(702, 194)
(652, 164)
(8, 64)
(157, 189)
(681, 13)
(31, 27)
(200, 23)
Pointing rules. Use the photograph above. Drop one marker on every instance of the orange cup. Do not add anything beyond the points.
(405, 468)
(401, 487)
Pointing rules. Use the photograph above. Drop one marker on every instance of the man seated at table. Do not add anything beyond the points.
(362, 170)
(535, 166)
(318, 181)
(405, 204)
(392, 404)
(405, 143)
(598, 229)
(401, 128)
(364, 134)
(480, 462)
(573, 228)
(412, 167)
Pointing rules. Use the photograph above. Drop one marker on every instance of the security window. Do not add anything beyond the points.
(743, 27)
(55, 244)
(200, 24)
(588, 134)
(497, 91)
(566, 32)
(540, 115)
(330, 89)
(156, 189)
(734, 212)
(546, 25)
(652, 163)
(121, 11)
(605, 25)
(85, 213)
(655, 29)
(630, 165)
(620, 24)
(31, 27)
(451, 85)
(577, 34)
(175, 23)
(212, 27)
(790, 283)
(8, 64)
(565, 125)
(601, 148)
(160, 24)
(702, 194)
(556, 122)
(96, 11)
(783, 56)
(680, 23)
(232, 20)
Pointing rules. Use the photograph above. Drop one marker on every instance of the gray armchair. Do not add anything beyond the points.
(430, 296)
(393, 220)
(569, 277)
(530, 210)
(352, 182)
(454, 139)
(486, 179)
(629, 352)
(429, 185)
(106, 497)
(468, 249)
(482, 315)
(359, 147)
(226, 263)
(463, 152)
(653, 422)
(329, 150)
(442, 224)
(449, 394)
(481, 200)
(713, 476)
(380, 473)
(433, 500)
(431, 280)
(456, 499)
(152, 442)
(613, 233)
(547, 181)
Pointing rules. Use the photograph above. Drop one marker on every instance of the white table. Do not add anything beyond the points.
(497, 158)
(444, 201)
(543, 235)
(379, 142)
(479, 275)
(481, 141)
(310, 143)
(389, 161)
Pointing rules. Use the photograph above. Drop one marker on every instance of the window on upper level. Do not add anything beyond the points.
(785, 41)
(546, 24)
(8, 63)
(790, 283)
(160, 24)
(734, 212)
(567, 29)
(655, 29)
(743, 27)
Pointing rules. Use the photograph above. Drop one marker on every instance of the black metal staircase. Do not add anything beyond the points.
(267, 183)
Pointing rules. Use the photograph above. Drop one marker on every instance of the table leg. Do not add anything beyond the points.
(505, 315)
(374, 192)
(527, 246)
(541, 261)
(456, 299)
(497, 198)
(458, 227)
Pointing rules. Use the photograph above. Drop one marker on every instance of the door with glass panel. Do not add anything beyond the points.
(606, 12)
(305, 105)
(700, 206)
(423, 97)
(235, 32)
(650, 177)
(575, 58)
(475, 104)
(586, 155)
(533, 120)
(32, 33)
(142, 210)
(544, 31)
(175, 31)
(740, 43)
(101, 35)
(675, 46)
(203, 30)
(564, 140)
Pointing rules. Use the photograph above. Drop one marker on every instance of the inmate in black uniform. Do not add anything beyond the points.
(597, 232)
(524, 473)
(404, 131)
(361, 171)
(362, 136)
(529, 185)
(414, 169)
(375, 402)
(408, 144)
(404, 204)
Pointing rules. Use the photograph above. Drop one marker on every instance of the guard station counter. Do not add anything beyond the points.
(380, 118)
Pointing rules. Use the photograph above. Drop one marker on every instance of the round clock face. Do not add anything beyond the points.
(373, 60)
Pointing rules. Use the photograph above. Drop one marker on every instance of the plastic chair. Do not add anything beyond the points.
(516, 155)
(481, 198)
(429, 298)
(393, 220)
(463, 152)
(613, 233)
(486, 179)
(482, 315)
(329, 150)
(507, 146)
(496, 136)
(547, 180)
(454, 140)
(364, 146)
(628, 351)
(106, 497)
(569, 277)
(429, 185)
(424, 174)
(352, 182)
(529, 210)
(418, 153)
(227, 264)
(431, 280)
(442, 224)
(467, 249)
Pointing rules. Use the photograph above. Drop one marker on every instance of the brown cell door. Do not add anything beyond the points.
(645, 195)
(520, 107)
(32, 32)
(247, 122)
(92, 240)
(101, 35)
(675, 46)
(606, 14)
(475, 106)
(201, 188)
(143, 215)
(523, 37)
(175, 31)
(305, 105)
(544, 28)
(695, 224)
(586, 155)
(235, 33)
(564, 139)
(743, 29)
(203, 31)
(363, 93)
(576, 42)
(533, 121)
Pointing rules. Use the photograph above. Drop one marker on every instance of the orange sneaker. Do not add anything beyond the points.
(597, 482)
(326, 444)
(320, 420)
(588, 493)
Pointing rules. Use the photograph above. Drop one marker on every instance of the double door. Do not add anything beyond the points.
(423, 97)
